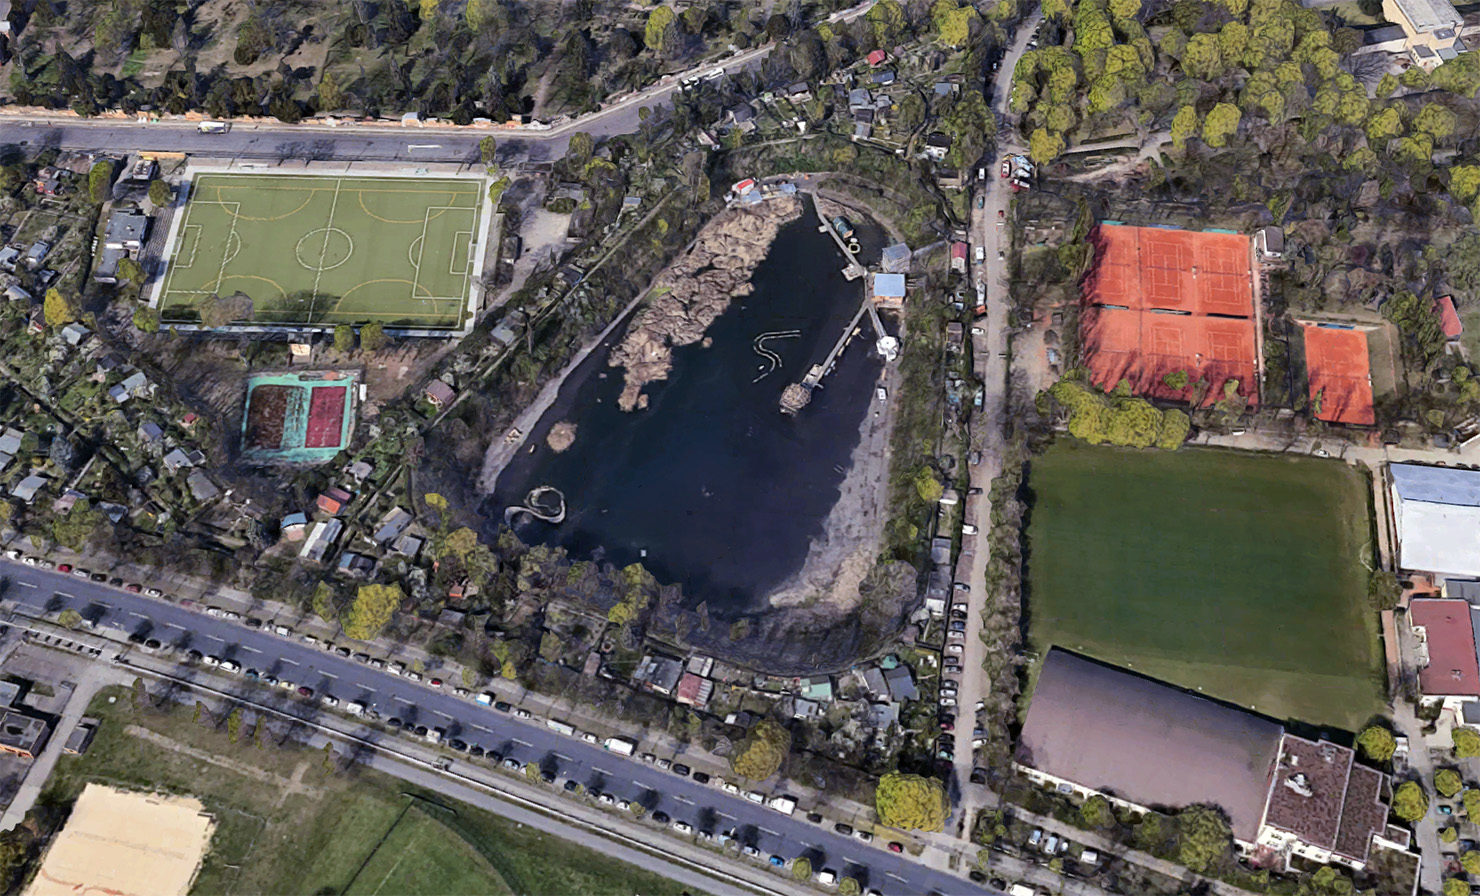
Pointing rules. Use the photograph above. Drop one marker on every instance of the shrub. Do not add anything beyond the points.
(1447, 782)
(911, 802)
(1466, 743)
(1377, 743)
(1410, 803)
(762, 752)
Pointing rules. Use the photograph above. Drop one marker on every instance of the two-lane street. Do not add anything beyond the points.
(706, 807)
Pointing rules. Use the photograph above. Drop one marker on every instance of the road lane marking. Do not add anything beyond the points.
(286, 660)
(400, 699)
(602, 771)
(556, 755)
(250, 649)
(771, 832)
(140, 615)
(25, 584)
(65, 594)
(488, 730)
(329, 675)
(895, 876)
(682, 800)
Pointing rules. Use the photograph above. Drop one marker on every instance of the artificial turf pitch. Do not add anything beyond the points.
(326, 250)
(1241, 575)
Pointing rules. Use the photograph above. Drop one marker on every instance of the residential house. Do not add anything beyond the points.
(127, 229)
(1445, 632)
(800, 92)
(818, 688)
(882, 715)
(10, 441)
(177, 459)
(75, 334)
(1449, 320)
(293, 526)
(895, 259)
(14, 293)
(333, 501)
(936, 146)
(658, 673)
(901, 684)
(150, 433)
(359, 471)
(874, 683)
(321, 539)
(693, 690)
(439, 394)
(1269, 242)
(883, 78)
(27, 488)
(51, 181)
(21, 734)
(37, 254)
(202, 488)
(888, 290)
(409, 546)
(877, 57)
(356, 565)
(10, 256)
(391, 526)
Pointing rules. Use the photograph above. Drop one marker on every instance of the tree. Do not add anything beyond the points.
(761, 753)
(100, 181)
(1447, 783)
(323, 601)
(660, 35)
(1184, 125)
(886, 21)
(1410, 803)
(234, 725)
(1470, 861)
(1204, 837)
(911, 802)
(1464, 183)
(160, 193)
(1436, 121)
(1384, 124)
(848, 887)
(372, 609)
(1466, 743)
(130, 271)
(928, 485)
(580, 149)
(1044, 147)
(1377, 743)
(344, 338)
(1203, 59)
(952, 22)
(372, 337)
(57, 308)
(801, 868)
(69, 618)
(1471, 800)
(1097, 813)
(146, 319)
(331, 97)
(1455, 886)
(1221, 123)
(487, 149)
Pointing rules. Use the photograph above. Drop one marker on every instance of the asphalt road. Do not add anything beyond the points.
(704, 806)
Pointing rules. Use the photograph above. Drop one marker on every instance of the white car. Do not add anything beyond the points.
(281, 630)
(683, 827)
(229, 666)
(330, 701)
(606, 799)
(955, 648)
(730, 788)
(882, 393)
(755, 796)
(215, 611)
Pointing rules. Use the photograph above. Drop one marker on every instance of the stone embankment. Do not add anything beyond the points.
(695, 290)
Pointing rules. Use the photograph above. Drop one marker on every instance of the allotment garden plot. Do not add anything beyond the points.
(324, 250)
(1242, 576)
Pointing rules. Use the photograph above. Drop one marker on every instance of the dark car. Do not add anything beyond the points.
(494, 756)
(195, 656)
(475, 750)
(814, 817)
(844, 829)
(342, 651)
(976, 876)
(133, 587)
(115, 581)
(395, 722)
(305, 692)
(98, 577)
(978, 776)
(152, 643)
(420, 731)
(253, 622)
(547, 776)
(680, 769)
(661, 817)
(458, 745)
(997, 883)
(501, 706)
(701, 777)
(571, 786)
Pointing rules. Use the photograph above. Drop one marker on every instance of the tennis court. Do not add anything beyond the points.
(1339, 374)
(1160, 302)
(322, 250)
(298, 417)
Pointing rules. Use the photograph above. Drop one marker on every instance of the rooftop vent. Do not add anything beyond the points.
(1300, 784)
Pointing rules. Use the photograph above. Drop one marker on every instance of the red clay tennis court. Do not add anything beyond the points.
(1336, 364)
(325, 417)
(1160, 301)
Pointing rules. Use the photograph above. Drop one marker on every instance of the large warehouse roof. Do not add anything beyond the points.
(1147, 742)
(1437, 510)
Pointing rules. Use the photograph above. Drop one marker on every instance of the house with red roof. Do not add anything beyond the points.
(877, 57)
(1449, 662)
(1448, 318)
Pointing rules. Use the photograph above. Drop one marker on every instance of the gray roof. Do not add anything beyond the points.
(901, 683)
(125, 227)
(1147, 742)
(1436, 485)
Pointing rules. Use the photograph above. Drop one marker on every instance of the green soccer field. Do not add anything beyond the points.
(1241, 575)
(325, 250)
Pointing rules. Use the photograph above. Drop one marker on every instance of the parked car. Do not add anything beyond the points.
(661, 817)
(680, 769)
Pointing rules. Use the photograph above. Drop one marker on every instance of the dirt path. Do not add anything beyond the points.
(286, 787)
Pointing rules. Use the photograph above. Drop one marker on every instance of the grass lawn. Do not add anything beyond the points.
(326, 250)
(288, 824)
(1241, 575)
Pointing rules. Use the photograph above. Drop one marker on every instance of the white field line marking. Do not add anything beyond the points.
(226, 257)
(328, 232)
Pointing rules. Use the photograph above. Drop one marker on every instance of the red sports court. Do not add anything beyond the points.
(325, 417)
(1160, 301)
(1340, 376)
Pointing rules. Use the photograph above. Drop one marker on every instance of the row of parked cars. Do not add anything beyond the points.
(79, 572)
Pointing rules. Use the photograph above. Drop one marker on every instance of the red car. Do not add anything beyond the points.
(305, 692)
(64, 567)
(435, 682)
(896, 847)
(134, 588)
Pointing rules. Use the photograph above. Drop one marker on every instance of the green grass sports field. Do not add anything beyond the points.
(1241, 575)
(326, 250)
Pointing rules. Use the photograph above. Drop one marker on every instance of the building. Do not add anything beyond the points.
(439, 394)
(202, 488)
(818, 689)
(1270, 243)
(901, 684)
(1142, 744)
(1436, 514)
(127, 230)
(27, 489)
(37, 254)
(659, 673)
(888, 289)
(1431, 29)
(877, 57)
(693, 690)
(81, 737)
(959, 252)
(895, 259)
(1449, 672)
(294, 526)
(320, 539)
(1322, 805)
(333, 501)
(22, 735)
(937, 145)
(1449, 320)
(391, 526)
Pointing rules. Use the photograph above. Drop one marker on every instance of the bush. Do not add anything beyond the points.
(372, 609)
(1470, 861)
(1466, 743)
(801, 869)
(1471, 799)
(1449, 834)
(1204, 838)
(1097, 813)
(1456, 887)
(100, 181)
(911, 802)
(1447, 782)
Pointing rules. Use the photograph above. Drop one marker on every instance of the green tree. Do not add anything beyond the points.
(1383, 591)
(344, 338)
(234, 725)
(886, 20)
(1447, 783)
(1384, 124)
(487, 150)
(1184, 125)
(331, 97)
(928, 485)
(100, 181)
(130, 271)
(1470, 861)
(57, 309)
(1466, 743)
(1097, 813)
(1436, 121)
(1044, 147)
(952, 22)
(1203, 59)
(323, 601)
(801, 868)
(69, 618)
(1177, 380)
(371, 610)
(160, 193)
(911, 802)
(1204, 838)
(1377, 743)
(1222, 122)
(761, 753)
(1464, 183)
(661, 33)
(1455, 886)
(496, 190)
(580, 148)
(848, 887)
(1471, 800)
(1410, 803)
(372, 336)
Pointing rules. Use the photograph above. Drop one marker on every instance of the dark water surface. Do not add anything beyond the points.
(722, 491)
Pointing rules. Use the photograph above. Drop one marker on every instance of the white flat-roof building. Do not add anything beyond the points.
(1436, 511)
(1431, 27)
